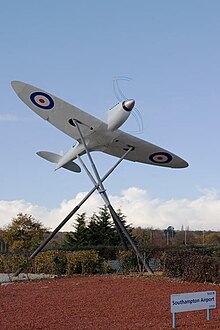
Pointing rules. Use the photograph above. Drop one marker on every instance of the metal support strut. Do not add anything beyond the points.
(70, 215)
(118, 223)
(97, 186)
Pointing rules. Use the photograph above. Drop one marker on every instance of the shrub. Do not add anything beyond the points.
(128, 261)
(216, 272)
(2, 264)
(198, 268)
(174, 263)
(84, 262)
(50, 262)
(192, 265)
(11, 262)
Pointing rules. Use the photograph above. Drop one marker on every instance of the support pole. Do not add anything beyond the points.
(208, 314)
(119, 225)
(99, 183)
(69, 216)
(174, 321)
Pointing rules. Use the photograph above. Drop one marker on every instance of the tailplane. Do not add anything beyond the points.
(55, 158)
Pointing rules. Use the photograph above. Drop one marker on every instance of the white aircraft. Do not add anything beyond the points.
(98, 135)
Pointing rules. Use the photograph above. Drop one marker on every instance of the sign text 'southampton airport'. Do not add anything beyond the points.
(193, 301)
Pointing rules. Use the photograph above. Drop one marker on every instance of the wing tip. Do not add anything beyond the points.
(17, 86)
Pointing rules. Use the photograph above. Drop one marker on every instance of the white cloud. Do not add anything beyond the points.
(12, 118)
(202, 213)
(8, 117)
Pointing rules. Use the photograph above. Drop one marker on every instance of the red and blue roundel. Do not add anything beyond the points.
(160, 157)
(42, 100)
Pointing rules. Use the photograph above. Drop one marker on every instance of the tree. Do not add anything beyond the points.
(24, 233)
(143, 237)
(211, 238)
(148, 237)
(101, 229)
(80, 236)
(98, 230)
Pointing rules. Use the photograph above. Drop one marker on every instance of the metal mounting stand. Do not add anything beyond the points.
(97, 186)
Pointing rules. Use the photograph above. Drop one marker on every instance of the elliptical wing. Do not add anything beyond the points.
(58, 112)
(143, 152)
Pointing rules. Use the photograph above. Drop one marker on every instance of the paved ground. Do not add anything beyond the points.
(9, 278)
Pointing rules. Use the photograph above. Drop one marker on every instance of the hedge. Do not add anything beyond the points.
(50, 262)
(192, 265)
(55, 262)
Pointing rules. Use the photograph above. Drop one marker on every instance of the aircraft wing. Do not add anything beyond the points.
(143, 152)
(58, 112)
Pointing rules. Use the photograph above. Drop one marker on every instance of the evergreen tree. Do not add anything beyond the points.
(79, 237)
(100, 230)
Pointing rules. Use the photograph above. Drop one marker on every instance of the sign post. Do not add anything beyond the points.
(174, 320)
(186, 302)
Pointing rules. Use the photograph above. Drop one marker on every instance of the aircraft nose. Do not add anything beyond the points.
(128, 105)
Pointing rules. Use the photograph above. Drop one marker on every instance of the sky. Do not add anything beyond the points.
(165, 55)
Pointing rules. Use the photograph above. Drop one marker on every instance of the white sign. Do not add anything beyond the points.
(193, 301)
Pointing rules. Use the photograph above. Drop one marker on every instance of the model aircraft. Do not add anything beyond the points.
(98, 135)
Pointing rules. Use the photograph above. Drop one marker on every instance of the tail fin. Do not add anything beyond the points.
(54, 158)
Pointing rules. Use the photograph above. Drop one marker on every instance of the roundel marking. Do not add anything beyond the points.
(42, 100)
(160, 157)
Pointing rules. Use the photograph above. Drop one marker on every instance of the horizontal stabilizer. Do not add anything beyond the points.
(54, 158)
(50, 156)
(71, 166)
